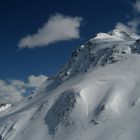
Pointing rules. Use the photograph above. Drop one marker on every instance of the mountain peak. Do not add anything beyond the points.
(103, 49)
(117, 35)
(124, 35)
(95, 96)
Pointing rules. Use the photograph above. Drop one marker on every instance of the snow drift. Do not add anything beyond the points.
(95, 96)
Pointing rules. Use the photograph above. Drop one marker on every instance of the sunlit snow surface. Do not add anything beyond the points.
(96, 96)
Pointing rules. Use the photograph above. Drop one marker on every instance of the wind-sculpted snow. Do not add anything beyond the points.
(96, 96)
(101, 50)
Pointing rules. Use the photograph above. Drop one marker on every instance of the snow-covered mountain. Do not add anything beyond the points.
(95, 96)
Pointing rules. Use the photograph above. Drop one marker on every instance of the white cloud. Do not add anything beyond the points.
(122, 27)
(20, 85)
(12, 91)
(129, 27)
(58, 28)
(9, 93)
(36, 81)
(136, 6)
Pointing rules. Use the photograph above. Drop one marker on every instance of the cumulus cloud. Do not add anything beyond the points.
(20, 85)
(131, 26)
(136, 6)
(122, 27)
(58, 28)
(36, 81)
(11, 91)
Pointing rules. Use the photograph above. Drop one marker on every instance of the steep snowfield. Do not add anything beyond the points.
(96, 96)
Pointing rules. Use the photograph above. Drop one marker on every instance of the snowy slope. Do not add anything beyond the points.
(96, 96)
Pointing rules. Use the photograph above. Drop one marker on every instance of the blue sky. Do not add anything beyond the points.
(20, 19)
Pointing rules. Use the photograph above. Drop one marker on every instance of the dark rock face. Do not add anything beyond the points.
(59, 113)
